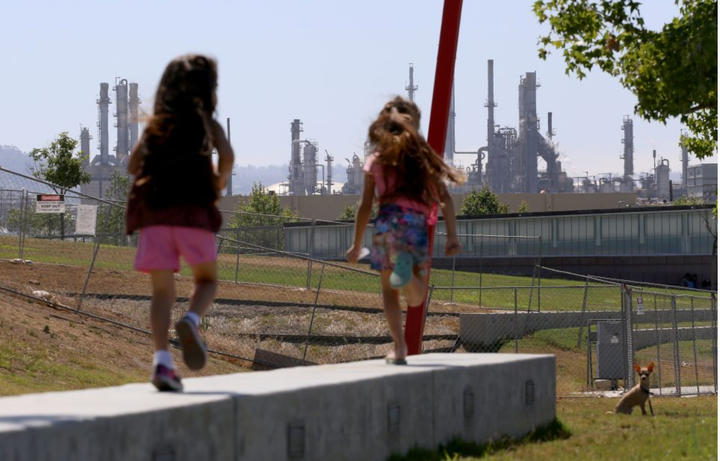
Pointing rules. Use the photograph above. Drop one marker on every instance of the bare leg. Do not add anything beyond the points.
(414, 291)
(163, 298)
(205, 287)
(391, 304)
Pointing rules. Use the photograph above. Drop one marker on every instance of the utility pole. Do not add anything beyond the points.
(411, 88)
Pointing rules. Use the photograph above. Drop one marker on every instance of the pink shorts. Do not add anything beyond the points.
(160, 247)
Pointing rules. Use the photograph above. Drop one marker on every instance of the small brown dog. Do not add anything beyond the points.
(639, 394)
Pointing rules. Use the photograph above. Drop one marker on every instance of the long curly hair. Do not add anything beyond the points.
(177, 142)
(403, 152)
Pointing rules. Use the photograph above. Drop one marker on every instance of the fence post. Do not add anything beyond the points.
(657, 339)
(582, 315)
(628, 332)
(237, 253)
(515, 322)
(311, 253)
(312, 317)
(92, 262)
(713, 325)
(692, 326)
(23, 214)
(539, 266)
(676, 345)
(481, 274)
(452, 283)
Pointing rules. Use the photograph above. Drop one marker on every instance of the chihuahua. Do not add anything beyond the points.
(639, 394)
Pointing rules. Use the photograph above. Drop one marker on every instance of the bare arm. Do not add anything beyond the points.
(452, 245)
(225, 153)
(363, 217)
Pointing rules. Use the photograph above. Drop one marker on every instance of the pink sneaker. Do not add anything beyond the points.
(165, 379)
(193, 347)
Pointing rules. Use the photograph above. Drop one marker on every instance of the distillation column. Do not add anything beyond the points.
(103, 109)
(295, 177)
(450, 137)
(411, 88)
(134, 114)
(528, 132)
(628, 151)
(121, 95)
(85, 145)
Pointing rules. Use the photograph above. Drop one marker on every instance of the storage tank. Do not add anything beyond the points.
(309, 168)
(606, 186)
(663, 179)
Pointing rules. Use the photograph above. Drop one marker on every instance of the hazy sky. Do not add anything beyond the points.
(331, 64)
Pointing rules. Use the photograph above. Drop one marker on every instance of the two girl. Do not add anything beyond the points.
(173, 204)
(409, 181)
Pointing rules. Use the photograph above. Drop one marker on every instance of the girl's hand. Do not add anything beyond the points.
(353, 254)
(452, 246)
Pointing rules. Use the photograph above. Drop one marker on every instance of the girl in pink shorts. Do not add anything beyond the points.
(173, 205)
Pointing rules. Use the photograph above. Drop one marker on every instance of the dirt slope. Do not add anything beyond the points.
(45, 349)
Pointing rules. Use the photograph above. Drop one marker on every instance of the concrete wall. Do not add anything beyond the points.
(652, 268)
(354, 411)
(483, 331)
(330, 206)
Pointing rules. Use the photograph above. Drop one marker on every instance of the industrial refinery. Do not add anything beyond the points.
(507, 163)
(103, 165)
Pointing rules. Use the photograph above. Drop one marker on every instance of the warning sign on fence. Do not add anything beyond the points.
(86, 219)
(640, 306)
(50, 203)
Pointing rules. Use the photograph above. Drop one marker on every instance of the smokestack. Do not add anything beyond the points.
(295, 162)
(491, 103)
(329, 161)
(628, 148)
(103, 103)
(134, 114)
(550, 128)
(121, 95)
(85, 145)
(411, 88)
(450, 137)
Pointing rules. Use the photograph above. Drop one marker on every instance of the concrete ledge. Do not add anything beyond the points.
(354, 411)
(486, 330)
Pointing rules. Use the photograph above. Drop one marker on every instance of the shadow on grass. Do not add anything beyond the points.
(457, 448)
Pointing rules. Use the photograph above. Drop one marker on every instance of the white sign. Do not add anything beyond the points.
(640, 307)
(50, 203)
(86, 219)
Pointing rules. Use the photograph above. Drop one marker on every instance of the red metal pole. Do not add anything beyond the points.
(439, 113)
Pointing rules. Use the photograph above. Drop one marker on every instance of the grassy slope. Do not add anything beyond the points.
(42, 349)
(293, 272)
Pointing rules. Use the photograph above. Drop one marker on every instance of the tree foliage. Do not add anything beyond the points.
(59, 165)
(39, 224)
(111, 219)
(350, 211)
(524, 208)
(482, 202)
(260, 220)
(673, 72)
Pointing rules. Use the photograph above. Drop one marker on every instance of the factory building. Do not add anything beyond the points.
(702, 181)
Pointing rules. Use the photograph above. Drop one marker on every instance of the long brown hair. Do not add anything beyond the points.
(418, 170)
(177, 141)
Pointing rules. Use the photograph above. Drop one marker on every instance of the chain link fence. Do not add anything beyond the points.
(286, 298)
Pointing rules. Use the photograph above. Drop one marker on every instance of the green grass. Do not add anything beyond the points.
(27, 369)
(292, 272)
(683, 429)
